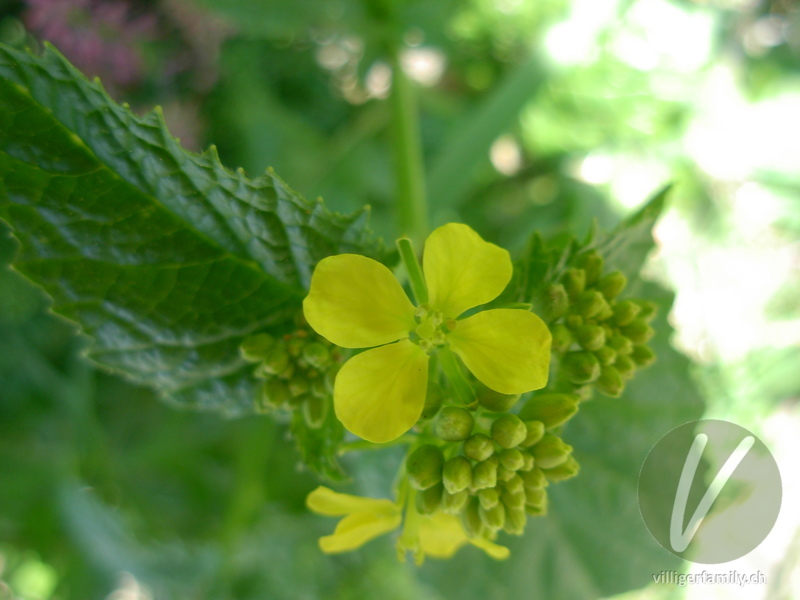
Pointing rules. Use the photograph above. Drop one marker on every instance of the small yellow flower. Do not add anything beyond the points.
(439, 535)
(356, 302)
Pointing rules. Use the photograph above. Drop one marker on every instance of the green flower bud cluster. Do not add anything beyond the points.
(298, 370)
(491, 466)
(601, 339)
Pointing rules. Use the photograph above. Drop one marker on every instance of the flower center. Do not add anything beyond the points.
(432, 328)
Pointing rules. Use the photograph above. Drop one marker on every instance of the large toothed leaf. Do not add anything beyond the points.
(165, 258)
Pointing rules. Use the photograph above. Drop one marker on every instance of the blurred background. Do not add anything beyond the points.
(540, 114)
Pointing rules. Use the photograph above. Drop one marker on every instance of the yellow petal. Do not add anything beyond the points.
(357, 529)
(441, 535)
(379, 394)
(462, 270)
(496, 551)
(507, 349)
(325, 501)
(356, 302)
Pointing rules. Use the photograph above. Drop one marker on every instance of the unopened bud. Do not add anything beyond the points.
(315, 410)
(591, 337)
(574, 281)
(484, 473)
(513, 499)
(552, 409)
(299, 386)
(494, 517)
(275, 392)
(638, 331)
(514, 484)
(429, 501)
(535, 497)
(625, 312)
(555, 302)
(643, 356)
(504, 474)
(509, 431)
(527, 465)
(489, 498)
(649, 310)
(606, 355)
(592, 263)
(581, 367)
(625, 366)
(562, 338)
(424, 466)
(610, 382)
(511, 459)
(533, 479)
(478, 447)
(550, 452)
(573, 322)
(256, 347)
(566, 470)
(453, 504)
(433, 401)
(317, 355)
(494, 401)
(453, 424)
(516, 518)
(457, 474)
(620, 344)
(471, 518)
(534, 431)
(590, 303)
(611, 285)
(295, 344)
(277, 361)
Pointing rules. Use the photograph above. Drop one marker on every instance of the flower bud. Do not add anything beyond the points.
(592, 263)
(478, 447)
(573, 322)
(511, 459)
(620, 344)
(550, 452)
(562, 338)
(590, 303)
(649, 310)
(591, 337)
(494, 517)
(317, 355)
(295, 344)
(277, 361)
(527, 465)
(555, 302)
(429, 501)
(643, 356)
(610, 382)
(638, 331)
(315, 410)
(495, 401)
(484, 474)
(574, 282)
(515, 522)
(606, 313)
(513, 499)
(433, 401)
(509, 431)
(489, 498)
(534, 431)
(299, 386)
(581, 367)
(552, 409)
(274, 393)
(453, 424)
(625, 366)
(611, 285)
(424, 466)
(533, 479)
(565, 470)
(473, 524)
(514, 484)
(256, 347)
(504, 474)
(457, 474)
(453, 504)
(584, 392)
(535, 497)
(625, 312)
(606, 355)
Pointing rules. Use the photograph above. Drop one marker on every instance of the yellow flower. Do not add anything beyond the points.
(356, 302)
(439, 535)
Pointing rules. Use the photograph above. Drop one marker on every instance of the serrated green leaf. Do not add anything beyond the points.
(165, 258)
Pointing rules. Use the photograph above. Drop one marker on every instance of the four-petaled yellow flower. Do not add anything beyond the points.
(439, 535)
(356, 302)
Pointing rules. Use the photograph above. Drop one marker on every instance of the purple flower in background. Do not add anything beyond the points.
(100, 37)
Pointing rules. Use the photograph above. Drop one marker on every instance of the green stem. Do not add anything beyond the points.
(455, 375)
(415, 275)
(412, 208)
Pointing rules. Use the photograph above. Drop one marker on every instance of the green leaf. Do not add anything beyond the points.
(165, 258)
(319, 447)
